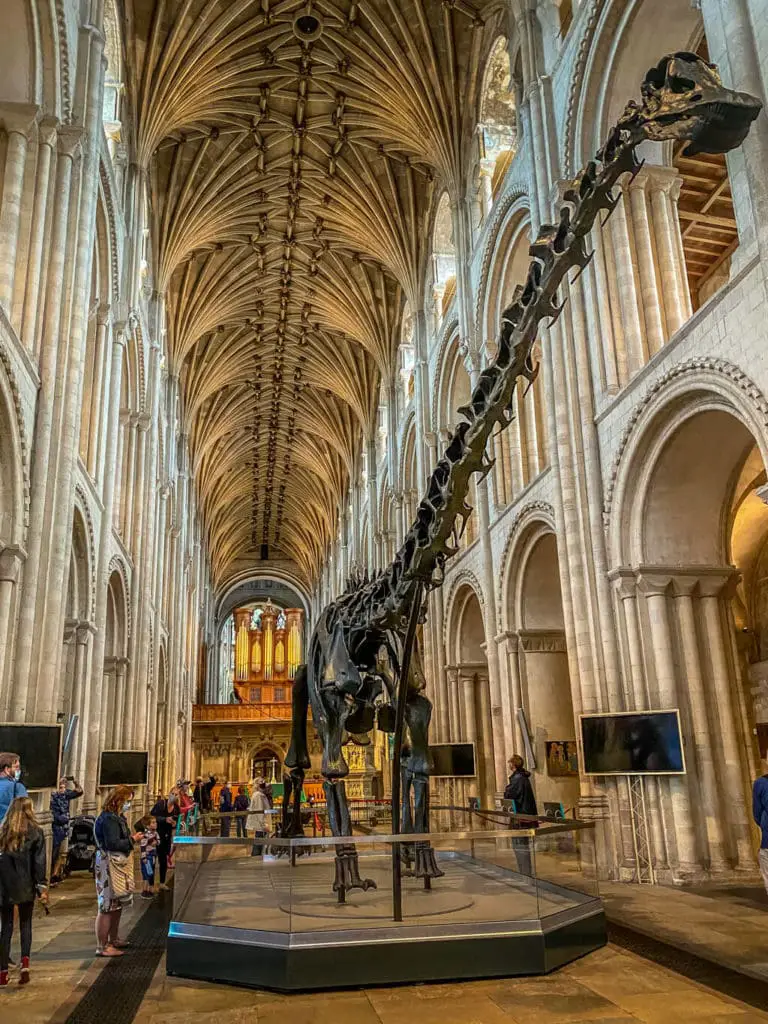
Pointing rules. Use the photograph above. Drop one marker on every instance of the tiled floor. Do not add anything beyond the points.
(609, 986)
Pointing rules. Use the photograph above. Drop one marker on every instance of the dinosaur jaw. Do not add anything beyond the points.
(684, 99)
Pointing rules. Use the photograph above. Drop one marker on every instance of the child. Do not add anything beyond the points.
(150, 840)
(241, 806)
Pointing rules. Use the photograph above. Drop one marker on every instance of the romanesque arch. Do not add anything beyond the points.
(688, 534)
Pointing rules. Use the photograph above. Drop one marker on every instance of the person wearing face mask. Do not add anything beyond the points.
(10, 781)
(113, 869)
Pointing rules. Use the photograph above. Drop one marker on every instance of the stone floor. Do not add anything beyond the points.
(724, 923)
(608, 986)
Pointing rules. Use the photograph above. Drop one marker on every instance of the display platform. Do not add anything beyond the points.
(510, 901)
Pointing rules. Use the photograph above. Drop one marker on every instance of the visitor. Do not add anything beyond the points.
(257, 818)
(760, 814)
(225, 805)
(165, 813)
(113, 870)
(149, 841)
(22, 880)
(59, 808)
(202, 793)
(520, 791)
(519, 788)
(240, 806)
(10, 781)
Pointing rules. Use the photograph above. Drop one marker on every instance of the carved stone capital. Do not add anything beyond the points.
(624, 582)
(18, 118)
(653, 583)
(510, 640)
(11, 559)
(542, 641)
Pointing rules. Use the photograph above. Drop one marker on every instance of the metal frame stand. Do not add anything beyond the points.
(638, 812)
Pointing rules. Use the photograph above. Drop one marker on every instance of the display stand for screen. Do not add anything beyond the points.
(39, 749)
(123, 767)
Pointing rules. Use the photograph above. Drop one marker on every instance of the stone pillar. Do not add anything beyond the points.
(711, 589)
(454, 718)
(98, 400)
(81, 705)
(11, 559)
(467, 686)
(664, 192)
(33, 299)
(645, 251)
(655, 588)
(16, 120)
(711, 809)
(121, 722)
(69, 141)
(511, 698)
(95, 737)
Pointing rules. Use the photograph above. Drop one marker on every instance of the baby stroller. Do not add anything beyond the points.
(81, 852)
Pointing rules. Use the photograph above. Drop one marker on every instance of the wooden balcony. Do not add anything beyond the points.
(241, 712)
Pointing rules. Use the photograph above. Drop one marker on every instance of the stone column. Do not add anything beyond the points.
(645, 251)
(16, 120)
(121, 720)
(69, 141)
(674, 284)
(732, 42)
(33, 299)
(487, 738)
(682, 589)
(452, 686)
(511, 698)
(655, 588)
(11, 558)
(467, 687)
(81, 705)
(98, 400)
(711, 590)
(95, 737)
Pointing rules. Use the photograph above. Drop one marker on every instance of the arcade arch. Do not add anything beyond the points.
(689, 537)
(469, 699)
(537, 662)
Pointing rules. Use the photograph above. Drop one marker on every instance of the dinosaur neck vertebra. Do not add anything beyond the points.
(710, 118)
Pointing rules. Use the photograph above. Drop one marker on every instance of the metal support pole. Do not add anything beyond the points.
(402, 692)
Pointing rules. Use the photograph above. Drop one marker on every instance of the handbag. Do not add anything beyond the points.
(120, 867)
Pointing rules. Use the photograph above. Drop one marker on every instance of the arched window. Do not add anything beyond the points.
(497, 129)
(113, 79)
(443, 259)
(407, 355)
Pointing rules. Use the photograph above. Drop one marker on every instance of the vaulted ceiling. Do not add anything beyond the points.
(294, 154)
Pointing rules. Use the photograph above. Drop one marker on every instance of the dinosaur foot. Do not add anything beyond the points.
(348, 871)
(425, 865)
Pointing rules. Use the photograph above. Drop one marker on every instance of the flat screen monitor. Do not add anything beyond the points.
(633, 743)
(39, 747)
(452, 760)
(123, 768)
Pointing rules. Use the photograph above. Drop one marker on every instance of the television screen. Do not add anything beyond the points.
(39, 747)
(123, 768)
(638, 743)
(453, 759)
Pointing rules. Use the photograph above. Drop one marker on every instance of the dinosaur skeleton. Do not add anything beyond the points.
(362, 640)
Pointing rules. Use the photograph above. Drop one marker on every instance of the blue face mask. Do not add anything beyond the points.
(126, 806)
(17, 774)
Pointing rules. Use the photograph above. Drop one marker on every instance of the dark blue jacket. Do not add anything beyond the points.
(760, 808)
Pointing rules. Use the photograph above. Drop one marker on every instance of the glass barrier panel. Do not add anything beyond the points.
(565, 868)
(487, 879)
(319, 905)
(232, 883)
